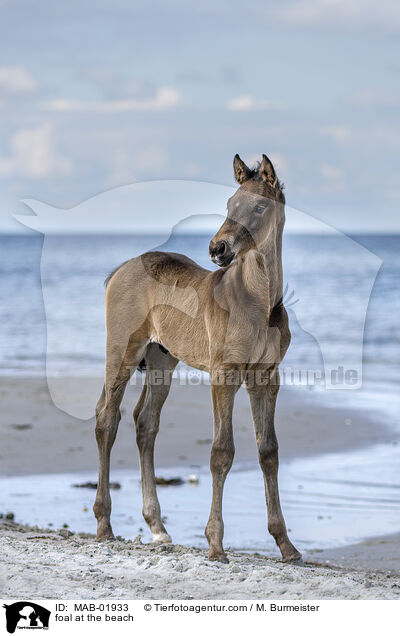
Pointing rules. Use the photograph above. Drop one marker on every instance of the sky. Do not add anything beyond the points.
(95, 95)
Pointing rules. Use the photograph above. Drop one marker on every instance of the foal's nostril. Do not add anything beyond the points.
(218, 250)
(221, 248)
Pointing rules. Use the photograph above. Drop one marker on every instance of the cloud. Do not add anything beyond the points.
(113, 85)
(376, 98)
(348, 14)
(330, 172)
(245, 103)
(338, 133)
(357, 138)
(340, 15)
(334, 181)
(129, 165)
(15, 80)
(32, 155)
(163, 99)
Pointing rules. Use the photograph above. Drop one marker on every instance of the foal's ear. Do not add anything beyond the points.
(242, 172)
(267, 171)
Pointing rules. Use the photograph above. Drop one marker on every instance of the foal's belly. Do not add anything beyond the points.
(184, 337)
(189, 341)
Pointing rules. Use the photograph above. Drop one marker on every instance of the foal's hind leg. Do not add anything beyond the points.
(263, 400)
(160, 366)
(120, 361)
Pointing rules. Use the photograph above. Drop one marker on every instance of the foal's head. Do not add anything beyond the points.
(255, 212)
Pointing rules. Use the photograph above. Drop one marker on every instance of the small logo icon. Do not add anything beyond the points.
(26, 615)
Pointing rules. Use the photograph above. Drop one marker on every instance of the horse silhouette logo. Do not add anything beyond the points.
(26, 615)
(171, 208)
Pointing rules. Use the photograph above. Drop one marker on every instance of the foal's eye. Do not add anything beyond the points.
(259, 209)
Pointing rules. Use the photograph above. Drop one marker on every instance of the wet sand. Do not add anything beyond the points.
(39, 438)
(375, 554)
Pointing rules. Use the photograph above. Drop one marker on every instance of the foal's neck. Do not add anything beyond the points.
(262, 269)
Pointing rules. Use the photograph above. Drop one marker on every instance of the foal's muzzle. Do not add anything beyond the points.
(221, 253)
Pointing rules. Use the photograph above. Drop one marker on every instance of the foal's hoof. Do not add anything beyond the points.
(162, 537)
(296, 559)
(105, 535)
(220, 558)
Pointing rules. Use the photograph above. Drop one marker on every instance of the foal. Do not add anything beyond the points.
(163, 307)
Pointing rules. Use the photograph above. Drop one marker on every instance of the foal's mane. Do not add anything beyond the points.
(275, 191)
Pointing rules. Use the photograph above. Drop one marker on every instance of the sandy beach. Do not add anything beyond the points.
(40, 439)
(47, 564)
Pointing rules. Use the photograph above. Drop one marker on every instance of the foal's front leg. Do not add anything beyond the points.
(222, 454)
(263, 400)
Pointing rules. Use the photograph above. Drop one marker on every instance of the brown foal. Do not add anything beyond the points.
(163, 307)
